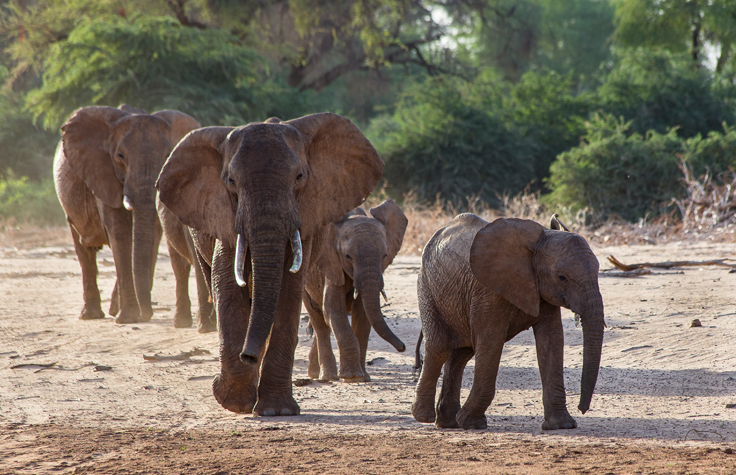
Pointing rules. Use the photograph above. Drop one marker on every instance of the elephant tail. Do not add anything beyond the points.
(418, 354)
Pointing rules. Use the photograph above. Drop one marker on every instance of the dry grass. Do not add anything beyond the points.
(27, 236)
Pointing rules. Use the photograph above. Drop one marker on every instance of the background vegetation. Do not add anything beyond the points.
(597, 105)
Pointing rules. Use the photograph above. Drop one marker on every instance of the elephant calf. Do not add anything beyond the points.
(480, 285)
(355, 252)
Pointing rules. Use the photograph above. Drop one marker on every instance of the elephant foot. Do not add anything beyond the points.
(182, 320)
(446, 419)
(562, 420)
(234, 395)
(358, 379)
(276, 405)
(92, 312)
(352, 375)
(128, 316)
(468, 421)
(423, 412)
(146, 315)
(207, 324)
(114, 305)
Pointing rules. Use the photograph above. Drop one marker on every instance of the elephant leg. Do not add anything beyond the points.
(235, 387)
(423, 406)
(206, 317)
(488, 344)
(449, 403)
(361, 327)
(275, 395)
(87, 257)
(549, 338)
(347, 343)
(322, 364)
(181, 268)
(114, 300)
(119, 232)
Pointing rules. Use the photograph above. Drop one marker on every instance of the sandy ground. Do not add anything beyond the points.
(659, 406)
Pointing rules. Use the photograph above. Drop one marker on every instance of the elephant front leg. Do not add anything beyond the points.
(322, 364)
(549, 338)
(347, 343)
(88, 261)
(275, 396)
(235, 387)
(118, 229)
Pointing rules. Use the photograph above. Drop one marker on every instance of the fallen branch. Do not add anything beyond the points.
(668, 264)
(183, 356)
(628, 273)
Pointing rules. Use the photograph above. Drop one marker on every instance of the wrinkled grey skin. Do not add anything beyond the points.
(479, 286)
(108, 160)
(348, 278)
(183, 255)
(258, 196)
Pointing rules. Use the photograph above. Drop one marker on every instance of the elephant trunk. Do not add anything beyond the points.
(369, 287)
(144, 254)
(268, 249)
(593, 323)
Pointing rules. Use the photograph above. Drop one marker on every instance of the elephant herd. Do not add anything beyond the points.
(267, 215)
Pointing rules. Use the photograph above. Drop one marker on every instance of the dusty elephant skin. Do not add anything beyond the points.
(355, 252)
(105, 170)
(256, 197)
(183, 254)
(479, 286)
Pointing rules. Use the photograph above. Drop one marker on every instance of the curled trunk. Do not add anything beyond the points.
(369, 290)
(592, 321)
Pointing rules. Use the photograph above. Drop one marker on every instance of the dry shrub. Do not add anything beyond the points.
(709, 206)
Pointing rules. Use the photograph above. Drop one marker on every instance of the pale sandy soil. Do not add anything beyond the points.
(660, 400)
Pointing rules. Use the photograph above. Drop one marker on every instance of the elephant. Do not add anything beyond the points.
(481, 284)
(355, 252)
(105, 169)
(183, 255)
(257, 198)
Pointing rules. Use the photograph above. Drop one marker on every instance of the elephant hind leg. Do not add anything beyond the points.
(322, 363)
(449, 403)
(87, 257)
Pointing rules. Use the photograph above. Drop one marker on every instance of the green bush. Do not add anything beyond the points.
(614, 173)
(440, 142)
(29, 201)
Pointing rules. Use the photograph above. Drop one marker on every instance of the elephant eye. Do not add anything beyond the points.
(230, 181)
(385, 256)
(347, 256)
(120, 154)
(562, 278)
(299, 176)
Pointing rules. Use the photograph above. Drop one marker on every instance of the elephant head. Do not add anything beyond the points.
(264, 188)
(526, 263)
(362, 247)
(118, 153)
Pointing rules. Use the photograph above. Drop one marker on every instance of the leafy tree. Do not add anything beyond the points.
(656, 90)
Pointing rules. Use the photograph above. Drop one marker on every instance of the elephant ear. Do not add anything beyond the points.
(86, 140)
(395, 222)
(343, 168)
(190, 186)
(329, 260)
(501, 260)
(181, 124)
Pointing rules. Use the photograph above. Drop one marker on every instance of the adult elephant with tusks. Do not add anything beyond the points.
(262, 193)
(105, 171)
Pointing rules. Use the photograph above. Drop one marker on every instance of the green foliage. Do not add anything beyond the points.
(154, 63)
(659, 90)
(30, 201)
(615, 173)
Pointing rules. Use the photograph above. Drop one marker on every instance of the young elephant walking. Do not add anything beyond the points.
(355, 252)
(480, 285)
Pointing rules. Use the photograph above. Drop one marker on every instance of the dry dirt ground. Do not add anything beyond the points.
(659, 406)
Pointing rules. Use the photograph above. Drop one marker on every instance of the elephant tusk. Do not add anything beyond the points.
(127, 204)
(240, 248)
(383, 292)
(296, 248)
